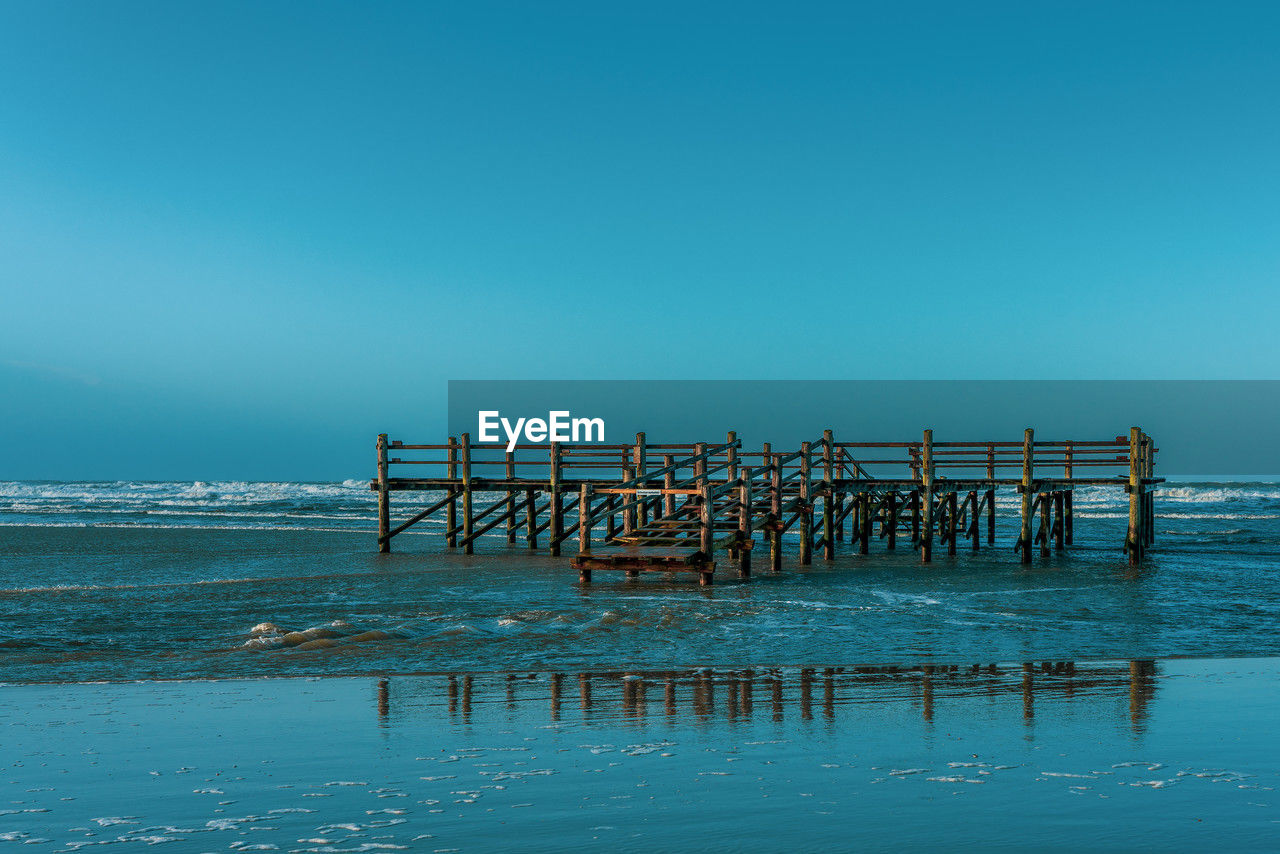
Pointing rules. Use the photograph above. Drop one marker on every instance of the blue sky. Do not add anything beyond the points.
(237, 240)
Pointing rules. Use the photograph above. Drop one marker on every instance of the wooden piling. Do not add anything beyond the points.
(1046, 528)
(1059, 505)
(584, 519)
(1133, 542)
(806, 506)
(531, 518)
(926, 498)
(828, 510)
(864, 523)
(384, 498)
(668, 482)
(468, 520)
(707, 531)
(512, 524)
(953, 521)
(556, 527)
(745, 541)
(775, 510)
(451, 513)
(1069, 473)
(891, 519)
(973, 519)
(915, 518)
(640, 464)
(1026, 489)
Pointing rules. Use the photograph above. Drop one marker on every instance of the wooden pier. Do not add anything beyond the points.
(677, 507)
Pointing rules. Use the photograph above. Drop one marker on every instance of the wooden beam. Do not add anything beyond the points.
(384, 498)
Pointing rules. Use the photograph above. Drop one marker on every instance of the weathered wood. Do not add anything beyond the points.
(1026, 489)
(640, 464)
(775, 509)
(953, 521)
(891, 519)
(1059, 503)
(468, 523)
(828, 510)
(1046, 501)
(991, 517)
(511, 498)
(531, 518)
(584, 519)
(926, 497)
(864, 522)
(668, 482)
(745, 541)
(384, 498)
(973, 519)
(1067, 516)
(557, 502)
(418, 517)
(1133, 542)
(451, 516)
(668, 507)
(706, 514)
(806, 511)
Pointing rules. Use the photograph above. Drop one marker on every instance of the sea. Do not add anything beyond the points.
(233, 666)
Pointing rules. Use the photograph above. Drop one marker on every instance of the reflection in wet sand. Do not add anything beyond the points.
(705, 694)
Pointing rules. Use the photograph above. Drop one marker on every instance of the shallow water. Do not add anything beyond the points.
(1103, 755)
(85, 596)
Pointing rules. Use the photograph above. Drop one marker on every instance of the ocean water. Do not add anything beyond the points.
(196, 580)
(232, 666)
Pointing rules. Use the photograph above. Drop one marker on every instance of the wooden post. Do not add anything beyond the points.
(384, 498)
(926, 498)
(868, 516)
(1028, 474)
(1059, 504)
(731, 456)
(1046, 528)
(629, 514)
(1149, 470)
(707, 531)
(556, 528)
(584, 519)
(451, 515)
(468, 522)
(1066, 516)
(1133, 543)
(775, 510)
(511, 498)
(973, 519)
(891, 518)
(915, 518)
(745, 540)
(640, 464)
(668, 482)
(531, 518)
(953, 521)
(991, 495)
(828, 511)
(1069, 471)
(991, 517)
(806, 507)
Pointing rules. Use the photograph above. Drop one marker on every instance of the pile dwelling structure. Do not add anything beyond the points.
(649, 507)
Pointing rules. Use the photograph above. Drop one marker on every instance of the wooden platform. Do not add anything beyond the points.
(637, 559)
(670, 508)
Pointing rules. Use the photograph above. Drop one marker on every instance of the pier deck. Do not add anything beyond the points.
(674, 507)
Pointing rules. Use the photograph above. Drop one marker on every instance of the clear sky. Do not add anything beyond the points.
(237, 240)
